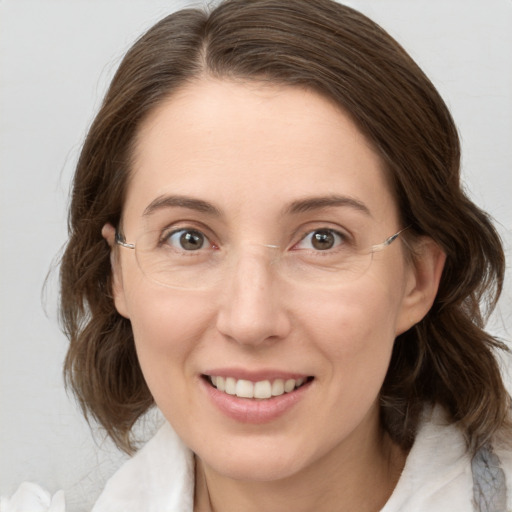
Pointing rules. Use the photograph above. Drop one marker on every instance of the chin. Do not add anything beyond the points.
(263, 464)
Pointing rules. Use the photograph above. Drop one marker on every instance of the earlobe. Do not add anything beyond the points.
(108, 232)
(423, 283)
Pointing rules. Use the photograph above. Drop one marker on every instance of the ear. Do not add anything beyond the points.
(424, 276)
(108, 232)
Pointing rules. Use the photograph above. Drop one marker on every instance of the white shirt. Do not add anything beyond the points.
(437, 476)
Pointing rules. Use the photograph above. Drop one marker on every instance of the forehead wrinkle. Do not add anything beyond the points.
(177, 201)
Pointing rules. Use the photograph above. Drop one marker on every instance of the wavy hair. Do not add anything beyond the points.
(448, 358)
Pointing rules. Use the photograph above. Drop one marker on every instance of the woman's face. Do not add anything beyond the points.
(275, 177)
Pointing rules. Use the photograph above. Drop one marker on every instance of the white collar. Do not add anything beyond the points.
(160, 477)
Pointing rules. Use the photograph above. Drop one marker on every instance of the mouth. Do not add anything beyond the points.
(260, 390)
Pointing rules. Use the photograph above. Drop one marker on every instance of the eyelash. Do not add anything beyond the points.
(167, 236)
(339, 239)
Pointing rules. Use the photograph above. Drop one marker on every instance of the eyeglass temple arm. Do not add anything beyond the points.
(388, 241)
(121, 240)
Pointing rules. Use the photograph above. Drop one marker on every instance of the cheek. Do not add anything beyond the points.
(164, 320)
(168, 329)
(352, 320)
(355, 332)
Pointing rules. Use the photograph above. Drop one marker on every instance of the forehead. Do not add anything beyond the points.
(243, 145)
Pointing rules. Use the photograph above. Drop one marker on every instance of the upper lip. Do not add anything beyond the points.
(255, 375)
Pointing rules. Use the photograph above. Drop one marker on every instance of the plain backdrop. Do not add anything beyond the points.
(56, 58)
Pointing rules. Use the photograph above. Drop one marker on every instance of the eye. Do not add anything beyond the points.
(187, 240)
(321, 240)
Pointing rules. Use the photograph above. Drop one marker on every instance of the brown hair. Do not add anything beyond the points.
(447, 358)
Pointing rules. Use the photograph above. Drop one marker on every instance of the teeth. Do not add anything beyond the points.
(278, 387)
(244, 389)
(289, 385)
(221, 384)
(230, 386)
(261, 389)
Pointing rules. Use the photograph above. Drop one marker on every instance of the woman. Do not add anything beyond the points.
(269, 241)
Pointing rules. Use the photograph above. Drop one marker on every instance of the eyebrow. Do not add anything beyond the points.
(176, 201)
(296, 207)
(318, 203)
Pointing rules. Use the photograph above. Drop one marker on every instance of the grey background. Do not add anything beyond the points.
(56, 58)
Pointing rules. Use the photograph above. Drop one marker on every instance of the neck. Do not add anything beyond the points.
(352, 477)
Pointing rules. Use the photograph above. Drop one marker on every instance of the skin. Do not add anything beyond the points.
(251, 150)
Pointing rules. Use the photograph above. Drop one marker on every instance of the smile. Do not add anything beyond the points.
(262, 389)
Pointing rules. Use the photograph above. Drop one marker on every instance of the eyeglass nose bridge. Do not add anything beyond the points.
(250, 263)
(253, 255)
(272, 253)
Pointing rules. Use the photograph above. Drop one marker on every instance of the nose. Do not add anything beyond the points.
(252, 309)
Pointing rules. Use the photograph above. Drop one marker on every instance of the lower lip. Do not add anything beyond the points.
(255, 411)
